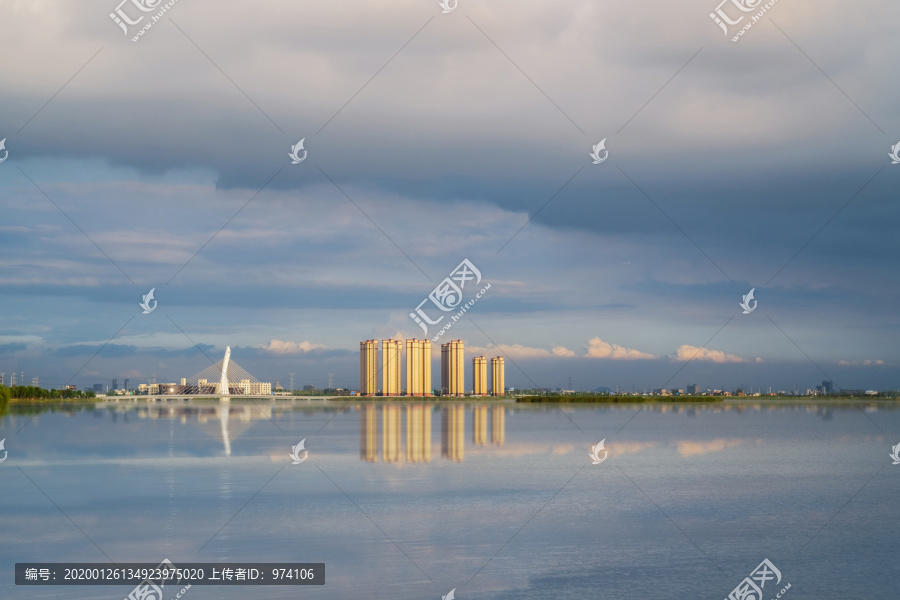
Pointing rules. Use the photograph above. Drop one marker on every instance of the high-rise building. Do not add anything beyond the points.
(115, 384)
(126, 385)
(368, 368)
(390, 367)
(828, 386)
(497, 376)
(418, 367)
(453, 376)
(479, 376)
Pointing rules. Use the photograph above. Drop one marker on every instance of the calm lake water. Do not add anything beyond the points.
(499, 501)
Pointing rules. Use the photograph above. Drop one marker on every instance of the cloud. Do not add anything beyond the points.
(597, 348)
(10, 348)
(563, 351)
(687, 352)
(106, 350)
(860, 363)
(276, 346)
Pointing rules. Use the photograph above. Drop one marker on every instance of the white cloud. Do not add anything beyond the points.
(597, 348)
(860, 363)
(563, 351)
(281, 347)
(687, 352)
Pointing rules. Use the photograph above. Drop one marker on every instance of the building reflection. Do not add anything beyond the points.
(232, 419)
(479, 425)
(390, 426)
(453, 436)
(418, 433)
(498, 425)
(368, 433)
(415, 419)
(389, 432)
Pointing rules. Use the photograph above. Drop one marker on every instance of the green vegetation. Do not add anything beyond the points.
(28, 393)
(325, 392)
(570, 398)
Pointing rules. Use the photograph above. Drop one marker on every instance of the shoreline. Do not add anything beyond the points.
(693, 400)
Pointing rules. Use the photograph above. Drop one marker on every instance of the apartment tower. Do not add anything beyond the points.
(418, 367)
(452, 368)
(479, 376)
(390, 367)
(497, 376)
(368, 368)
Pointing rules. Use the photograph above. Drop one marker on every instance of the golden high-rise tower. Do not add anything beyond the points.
(479, 376)
(368, 368)
(453, 376)
(497, 377)
(418, 367)
(390, 367)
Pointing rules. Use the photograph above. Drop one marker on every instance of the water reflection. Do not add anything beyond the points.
(402, 432)
(453, 438)
(418, 427)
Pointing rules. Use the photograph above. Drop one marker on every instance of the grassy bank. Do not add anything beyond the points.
(604, 399)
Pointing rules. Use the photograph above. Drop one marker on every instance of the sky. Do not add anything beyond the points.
(433, 137)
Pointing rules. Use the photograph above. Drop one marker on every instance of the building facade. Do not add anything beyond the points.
(452, 368)
(368, 368)
(390, 367)
(479, 376)
(497, 376)
(418, 367)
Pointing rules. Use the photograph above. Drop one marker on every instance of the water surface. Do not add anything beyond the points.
(496, 500)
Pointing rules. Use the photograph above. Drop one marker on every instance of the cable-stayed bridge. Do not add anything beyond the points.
(222, 380)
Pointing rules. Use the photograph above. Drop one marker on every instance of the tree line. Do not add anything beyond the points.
(30, 392)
